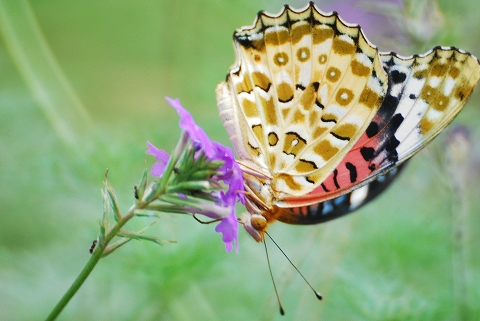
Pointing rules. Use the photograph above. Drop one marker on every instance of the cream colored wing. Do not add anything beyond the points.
(304, 88)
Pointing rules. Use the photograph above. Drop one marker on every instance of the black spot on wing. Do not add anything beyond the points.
(396, 87)
(397, 76)
(353, 172)
(372, 129)
(392, 142)
(335, 174)
(312, 164)
(389, 63)
(319, 104)
(326, 120)
(266, 88)
(339, 137)
(286, 100)
(367, 153)
(396, 121)
(390, 103)
(325, 188)
(386, 150)
(391, 148)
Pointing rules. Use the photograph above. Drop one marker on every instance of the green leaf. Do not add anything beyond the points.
(137, 236)
(112, 247)
(106, 211)
(187, 187)
(180, 201)
(141, 187)
(114, 203)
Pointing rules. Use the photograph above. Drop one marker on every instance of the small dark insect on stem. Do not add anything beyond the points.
(135, 188)
(94, 244)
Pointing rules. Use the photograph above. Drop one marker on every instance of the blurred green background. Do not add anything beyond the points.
(81, 90)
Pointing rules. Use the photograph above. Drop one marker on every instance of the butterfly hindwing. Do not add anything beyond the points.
(341, 205)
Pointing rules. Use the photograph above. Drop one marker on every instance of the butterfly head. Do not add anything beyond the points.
(255, 224)
(257, 221)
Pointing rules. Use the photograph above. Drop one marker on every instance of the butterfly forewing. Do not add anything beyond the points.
(304, 89)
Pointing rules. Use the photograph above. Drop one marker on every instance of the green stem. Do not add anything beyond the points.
(76, 284)
(96, 256)
(160, 188)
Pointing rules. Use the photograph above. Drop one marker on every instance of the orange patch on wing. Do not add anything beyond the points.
(325, 149)
(370, 98)
(320, 34)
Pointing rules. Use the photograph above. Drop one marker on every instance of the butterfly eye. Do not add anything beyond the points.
(259, 222)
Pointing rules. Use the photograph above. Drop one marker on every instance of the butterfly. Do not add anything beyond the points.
(322, 121)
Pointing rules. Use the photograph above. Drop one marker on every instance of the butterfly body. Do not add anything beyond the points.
(317, 115)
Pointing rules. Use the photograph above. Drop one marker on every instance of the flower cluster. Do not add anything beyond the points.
(227, 174)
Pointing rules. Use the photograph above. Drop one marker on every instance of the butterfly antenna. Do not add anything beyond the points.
(317, 294)
(282, 312)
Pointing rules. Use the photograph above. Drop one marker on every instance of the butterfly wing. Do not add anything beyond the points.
(315, 112)
(425, 93)
(304, 88)
(341, 205)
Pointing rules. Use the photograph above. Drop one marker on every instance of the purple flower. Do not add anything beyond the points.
(162, 158)
(232, 176)
(229, 173)
(229, 229)
(197, 135)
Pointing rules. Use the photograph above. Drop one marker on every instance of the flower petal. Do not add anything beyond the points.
(157, 169)
(196, 133)
(162, 158)
(159, 154)
(229, 229)
(230, 174)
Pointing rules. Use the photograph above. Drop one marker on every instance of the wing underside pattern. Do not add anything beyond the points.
(341, 205)
(304, 88)
(315, 112)
(425, 93)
